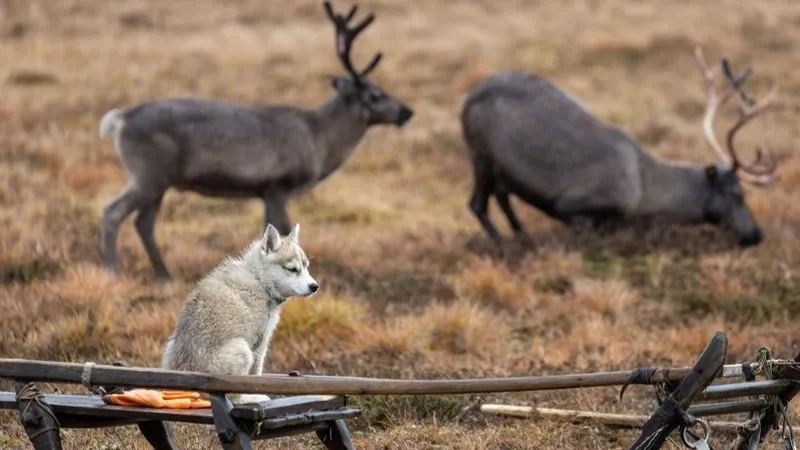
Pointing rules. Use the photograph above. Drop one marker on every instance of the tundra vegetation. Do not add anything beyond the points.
(411, 286)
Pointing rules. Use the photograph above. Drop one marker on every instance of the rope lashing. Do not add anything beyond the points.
(643, 375)
(751, 428)
(86, 380)
(764, 363)
(29, 393)
(86, 375)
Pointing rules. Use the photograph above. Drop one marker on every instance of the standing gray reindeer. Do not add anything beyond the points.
(220, 149)
(527, 137)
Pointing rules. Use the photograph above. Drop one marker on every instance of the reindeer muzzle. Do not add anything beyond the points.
(403, 116)
(751, 239)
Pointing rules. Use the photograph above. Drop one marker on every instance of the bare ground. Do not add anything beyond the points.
(410, 285)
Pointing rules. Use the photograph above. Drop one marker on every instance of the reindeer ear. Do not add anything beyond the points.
(271, 241)
(342, 85)
(711, 173)
(295, 234)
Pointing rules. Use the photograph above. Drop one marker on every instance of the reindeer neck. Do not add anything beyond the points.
(337, 132)
(671, 189)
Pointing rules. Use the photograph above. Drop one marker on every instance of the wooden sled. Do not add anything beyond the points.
(237, 426)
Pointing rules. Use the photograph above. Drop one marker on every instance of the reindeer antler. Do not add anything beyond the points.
(345, 37)
(748, 108)
(761, 171)
(713, 104)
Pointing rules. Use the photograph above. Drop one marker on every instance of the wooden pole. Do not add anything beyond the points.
(744, 389)
(20, 369)
(620, 420)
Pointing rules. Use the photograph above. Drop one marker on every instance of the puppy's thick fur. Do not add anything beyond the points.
(230, 316)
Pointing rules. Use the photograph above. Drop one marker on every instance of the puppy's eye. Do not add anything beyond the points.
(293, 269)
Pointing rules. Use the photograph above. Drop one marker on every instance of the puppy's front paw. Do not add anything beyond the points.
(252, 398)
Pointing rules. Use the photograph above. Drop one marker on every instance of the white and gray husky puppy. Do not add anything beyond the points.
(230, 316)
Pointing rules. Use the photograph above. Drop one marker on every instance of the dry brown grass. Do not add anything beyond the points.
(410, 285)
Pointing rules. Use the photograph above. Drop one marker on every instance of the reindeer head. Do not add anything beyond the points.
(368, 100)
(725, 203)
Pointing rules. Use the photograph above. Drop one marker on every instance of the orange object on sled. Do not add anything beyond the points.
(151, 398)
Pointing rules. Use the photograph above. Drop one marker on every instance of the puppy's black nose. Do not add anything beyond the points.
(313, 287)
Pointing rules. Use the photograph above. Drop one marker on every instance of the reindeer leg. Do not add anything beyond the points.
(145, 223)
(479, 203)
(501, 194)
(129, 200)
(275, 213)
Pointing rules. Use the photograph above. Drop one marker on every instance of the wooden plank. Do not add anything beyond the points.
(310, 417)
(93, 406)
(288, 405)
(718, 409)
(8, 400)
(744, 389)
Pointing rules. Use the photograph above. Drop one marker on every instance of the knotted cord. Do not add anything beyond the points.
(767, 366)
(29, 393)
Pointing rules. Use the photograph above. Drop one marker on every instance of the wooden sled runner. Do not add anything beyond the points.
(237, 426)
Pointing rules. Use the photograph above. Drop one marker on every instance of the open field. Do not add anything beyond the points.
(410, 286)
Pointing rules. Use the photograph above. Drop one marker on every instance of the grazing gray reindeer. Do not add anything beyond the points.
(527, 137)
(220, 149)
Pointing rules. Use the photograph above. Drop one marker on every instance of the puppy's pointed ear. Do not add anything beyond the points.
(295, 234)
(271, 241)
